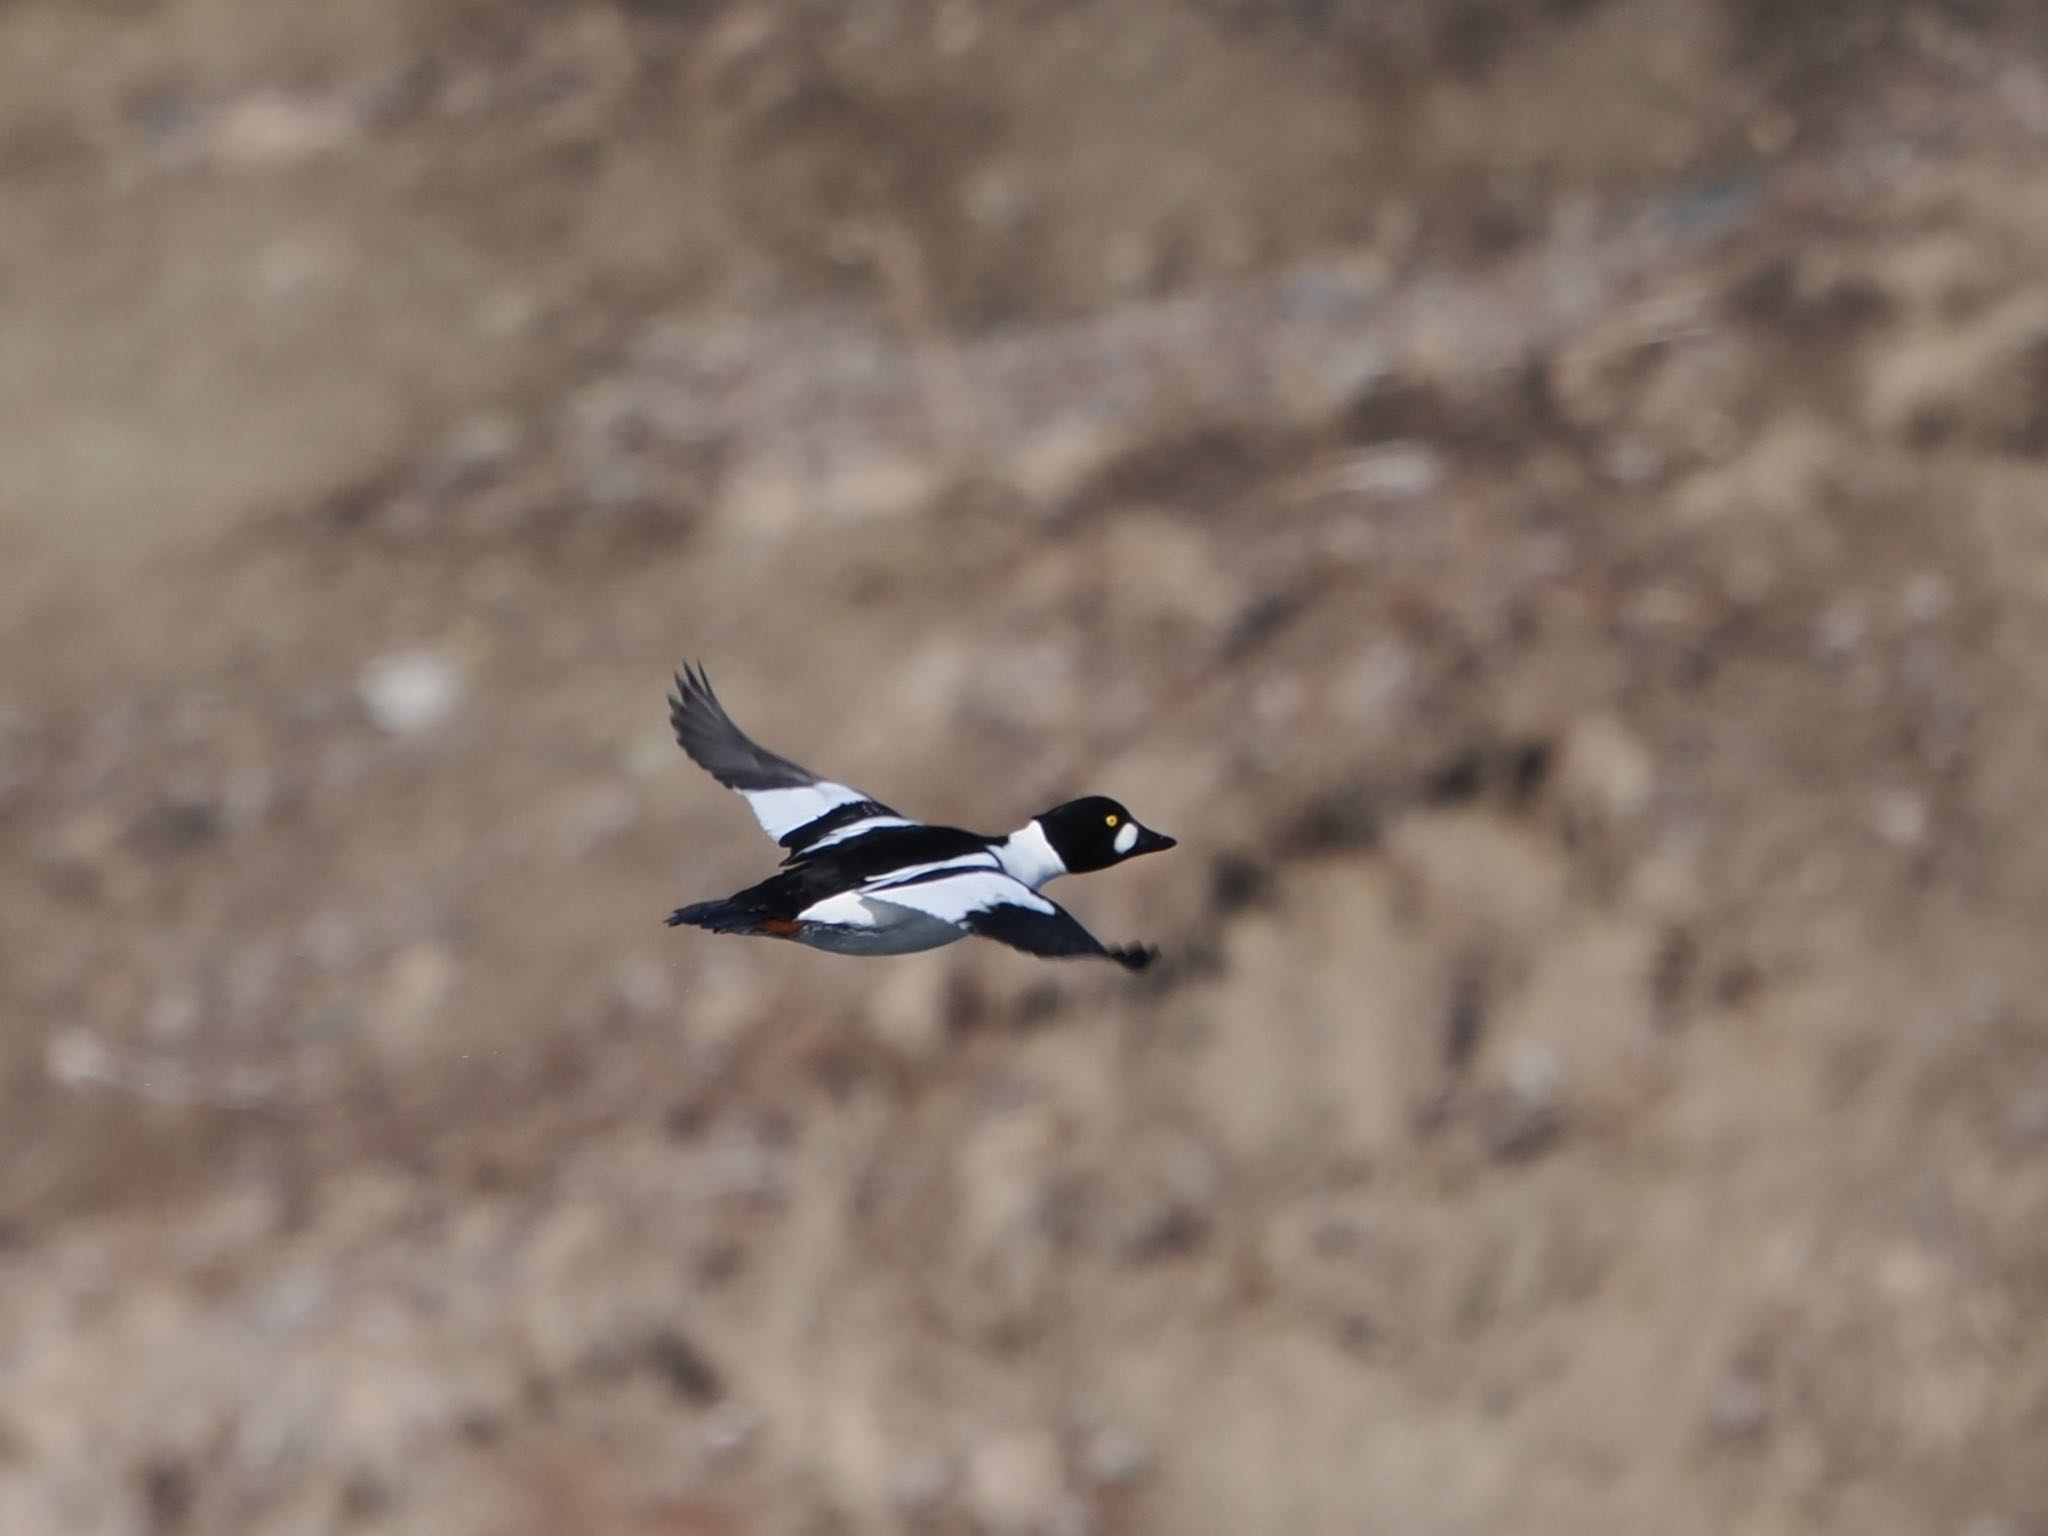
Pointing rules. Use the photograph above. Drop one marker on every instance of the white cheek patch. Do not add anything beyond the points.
(1127, 837)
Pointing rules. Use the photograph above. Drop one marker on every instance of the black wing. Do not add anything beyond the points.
(794, 806)
(1055, 935)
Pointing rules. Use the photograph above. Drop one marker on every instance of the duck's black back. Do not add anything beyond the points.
(845, 866)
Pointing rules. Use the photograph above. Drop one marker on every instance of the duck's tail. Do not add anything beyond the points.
(723, 916)
(732, 916)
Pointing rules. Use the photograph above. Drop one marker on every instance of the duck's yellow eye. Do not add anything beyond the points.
(1109, 820)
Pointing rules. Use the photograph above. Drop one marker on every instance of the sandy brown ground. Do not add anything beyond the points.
(1546, 500)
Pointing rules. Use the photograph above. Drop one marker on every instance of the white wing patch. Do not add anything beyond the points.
(782, 811)
(848, 909)
(952, 898)
(870, 905)
(785, 797)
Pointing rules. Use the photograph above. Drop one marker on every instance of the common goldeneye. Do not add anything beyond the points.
(859, 879)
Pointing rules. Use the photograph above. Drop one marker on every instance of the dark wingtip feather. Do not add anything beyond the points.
(707, 734)
(691, 686)
(695, 714)
(1134, 957)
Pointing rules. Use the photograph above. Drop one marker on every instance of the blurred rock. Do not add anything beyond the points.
(1605, 774)
(474, 454)
(173, 1016)
(88, 850)
(1984, 382)
(1016, 1485)
(1842, 630)
(1114, 1457)
(411, 692)
(270, 129)
(1739, 1409)
(1631, 461)
(729, 1429)
(1524, 1122)
(402, 1021)
(641, 985)
(1926, 597)
(77, 1058)
(1051, 465)
(1900, 817)
(1373, 688)
(1534, 1075)
(1391, 472)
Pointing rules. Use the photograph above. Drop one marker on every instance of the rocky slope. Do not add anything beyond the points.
(1571, 576)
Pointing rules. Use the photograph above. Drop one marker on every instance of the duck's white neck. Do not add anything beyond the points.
(1028, 858)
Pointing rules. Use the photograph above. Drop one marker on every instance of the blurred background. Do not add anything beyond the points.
(1544, 498)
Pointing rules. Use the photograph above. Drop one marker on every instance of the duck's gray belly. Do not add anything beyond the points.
(848, 925)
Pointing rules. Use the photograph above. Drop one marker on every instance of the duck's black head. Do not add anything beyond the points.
(1096, 832)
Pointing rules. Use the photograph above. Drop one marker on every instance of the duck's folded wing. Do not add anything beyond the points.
(991, 904)
(798, 809)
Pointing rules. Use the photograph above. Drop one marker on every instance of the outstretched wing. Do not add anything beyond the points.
(1055, 934)
(798, 809)
(989, 903)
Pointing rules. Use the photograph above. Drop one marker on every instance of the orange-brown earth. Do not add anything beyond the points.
(1546, 500)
